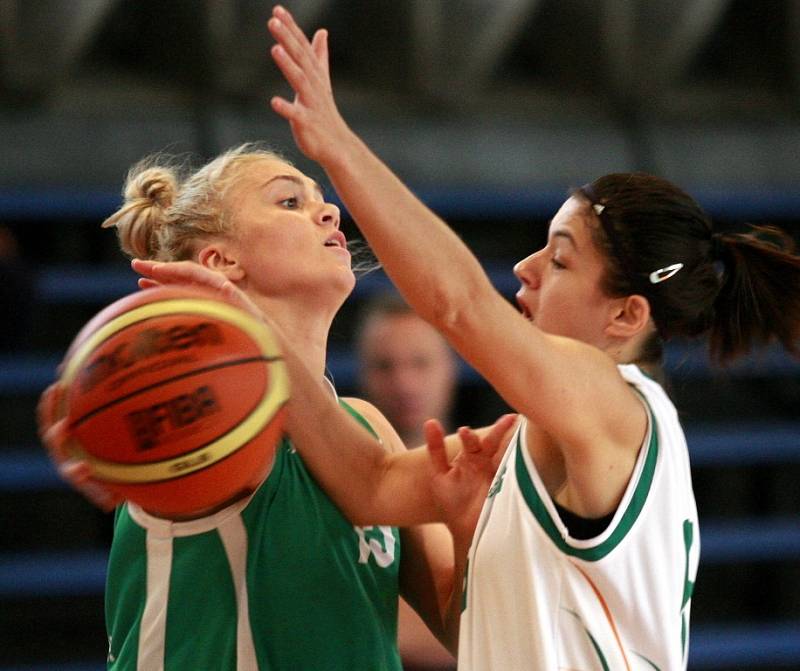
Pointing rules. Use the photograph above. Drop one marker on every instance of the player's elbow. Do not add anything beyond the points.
(456, 315)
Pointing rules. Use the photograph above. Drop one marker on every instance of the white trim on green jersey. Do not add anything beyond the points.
(154, 617)
(536, 598)
(280, 581)
(234, 540)
(159, 535)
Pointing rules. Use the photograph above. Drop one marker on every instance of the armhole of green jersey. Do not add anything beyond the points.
(359, 418)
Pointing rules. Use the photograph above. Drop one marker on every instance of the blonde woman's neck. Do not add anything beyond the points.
(303, 329)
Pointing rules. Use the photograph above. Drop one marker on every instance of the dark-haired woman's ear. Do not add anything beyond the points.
(630, 317)
(218, 257)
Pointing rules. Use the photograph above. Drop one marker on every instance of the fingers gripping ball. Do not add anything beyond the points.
(175, 399)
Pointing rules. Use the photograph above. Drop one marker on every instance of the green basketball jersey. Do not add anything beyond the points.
(281, 581)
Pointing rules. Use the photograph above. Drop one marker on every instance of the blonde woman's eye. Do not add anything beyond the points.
(557, 264)
(291, 203)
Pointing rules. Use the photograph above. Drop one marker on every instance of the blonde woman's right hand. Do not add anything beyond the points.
(156, 273)
(54, 434)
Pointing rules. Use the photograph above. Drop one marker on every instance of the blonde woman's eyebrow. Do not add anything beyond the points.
(299, 182)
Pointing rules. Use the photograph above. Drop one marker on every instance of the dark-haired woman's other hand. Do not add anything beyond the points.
(460, 486)
(316, 124)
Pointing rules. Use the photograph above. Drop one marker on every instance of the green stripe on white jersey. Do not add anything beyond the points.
(537, 598)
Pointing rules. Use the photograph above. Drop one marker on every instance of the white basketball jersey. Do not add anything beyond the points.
(535, 598)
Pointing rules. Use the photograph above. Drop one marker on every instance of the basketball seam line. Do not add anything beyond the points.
(198, 371)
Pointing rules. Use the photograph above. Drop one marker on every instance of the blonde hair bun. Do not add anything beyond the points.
(157, 185)
(149, 193)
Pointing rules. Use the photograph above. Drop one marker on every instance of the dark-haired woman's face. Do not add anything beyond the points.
(561, 283)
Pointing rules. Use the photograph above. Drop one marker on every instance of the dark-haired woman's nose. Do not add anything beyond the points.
(328, 215)
(527, 271)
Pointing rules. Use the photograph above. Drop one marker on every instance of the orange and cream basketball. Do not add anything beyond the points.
(175, 399)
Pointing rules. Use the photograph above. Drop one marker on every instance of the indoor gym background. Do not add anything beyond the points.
(491, 110)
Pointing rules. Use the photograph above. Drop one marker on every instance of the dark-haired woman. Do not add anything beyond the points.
(586, 549)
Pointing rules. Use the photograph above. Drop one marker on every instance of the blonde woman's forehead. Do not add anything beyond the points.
(263, 171)
(261, 168)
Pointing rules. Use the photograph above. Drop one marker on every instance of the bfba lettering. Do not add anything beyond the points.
(146, 344)
(152, 425)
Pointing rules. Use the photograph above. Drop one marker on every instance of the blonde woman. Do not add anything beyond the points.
(279, 579)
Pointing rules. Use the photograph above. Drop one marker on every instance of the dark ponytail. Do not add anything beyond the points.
(759, 300)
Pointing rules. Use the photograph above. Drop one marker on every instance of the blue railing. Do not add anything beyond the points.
(30, 372)
(744, 646)
(539, 201)
(81, 283)
(46, 574)
(68, 666)
(745, 443)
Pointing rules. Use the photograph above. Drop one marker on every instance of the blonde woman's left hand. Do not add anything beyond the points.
(54, 435)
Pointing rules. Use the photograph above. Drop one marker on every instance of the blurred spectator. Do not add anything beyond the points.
(16, 293)
(409, 372)
(406, 368)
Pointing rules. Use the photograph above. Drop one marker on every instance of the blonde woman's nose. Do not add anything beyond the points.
(328, 215)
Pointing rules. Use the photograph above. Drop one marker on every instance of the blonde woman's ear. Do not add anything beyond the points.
(220, 259)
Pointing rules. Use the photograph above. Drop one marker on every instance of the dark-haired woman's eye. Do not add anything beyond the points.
(557, 264)
(290, 203)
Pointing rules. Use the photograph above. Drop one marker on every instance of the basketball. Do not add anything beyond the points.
(175, 399)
